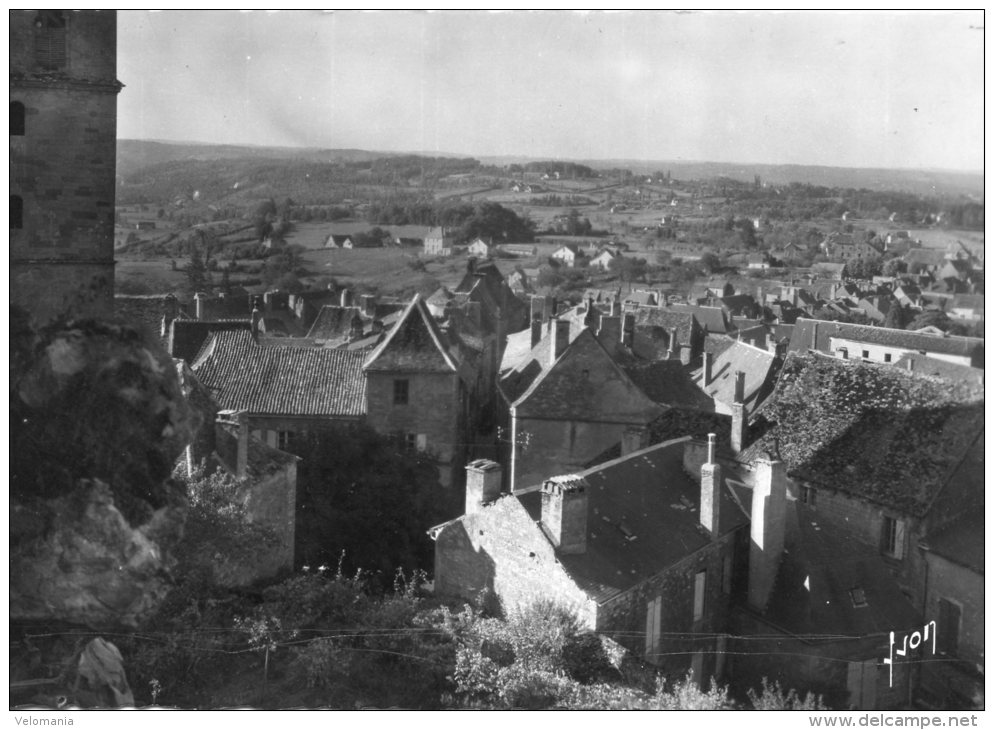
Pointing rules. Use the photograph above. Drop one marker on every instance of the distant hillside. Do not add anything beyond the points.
(135, 154)
(918, 182)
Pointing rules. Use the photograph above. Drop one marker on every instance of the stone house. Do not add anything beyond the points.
(416, 384)
(336, 240)
(883, 344)
(568, 400)
(644, 552)
(741, 374)
(569, 255)
(439, 242)
(481, 248)
(891, 460)
(603, 259)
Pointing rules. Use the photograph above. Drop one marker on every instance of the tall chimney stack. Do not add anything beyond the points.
(536, 331)
(628, 330)
(769, 509)
(564, 512)
(483, 484)
(634, 438)
(560, 339)
(256, 319)
(671, 351)
(708, 367)
(711, 491)
(739, 413)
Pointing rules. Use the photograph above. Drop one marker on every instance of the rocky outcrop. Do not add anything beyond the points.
(97, 421)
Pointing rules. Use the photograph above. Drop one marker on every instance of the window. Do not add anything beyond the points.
(808, 496)
(653, 626)
(50, 39)
(892, 537)
(16, 212)
(400, 392)
(16, 119)
(700, 584)
(842, 353)
(887, 357)
(283, 439)
(411, 441)
(948, 626)
(866, 354)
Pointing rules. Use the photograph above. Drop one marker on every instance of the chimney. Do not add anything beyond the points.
(771, 343)
(708, 367)
(256, 319)
(609, 332)
(616, 307)
(710, 491)
(483, 480)
(628, 330)
(671, 351)
(198, 303)
(539, 310)
(536, 331)
(564, 513)
(769, 506)
(634, 438)
(355, 328)
(559, 332)
(592, 318)
(739, 413)
(367, 304)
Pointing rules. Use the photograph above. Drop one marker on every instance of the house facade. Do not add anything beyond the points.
(439, 242)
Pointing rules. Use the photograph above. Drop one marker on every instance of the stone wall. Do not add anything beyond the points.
(965, 588)
(499, 556)
(435, 408)
(624, 618)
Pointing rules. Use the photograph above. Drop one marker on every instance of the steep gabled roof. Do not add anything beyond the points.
(668, 382)
(188, 336)
(415, 344)
(333, 322)
(712, 319)
(585, 384)
(873, 431)
(279, 380)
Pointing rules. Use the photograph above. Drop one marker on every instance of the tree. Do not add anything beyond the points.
(893, 267)
(896, 317)
(710, 262)
(931, 318)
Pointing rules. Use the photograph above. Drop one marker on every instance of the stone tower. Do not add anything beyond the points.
(63, 129)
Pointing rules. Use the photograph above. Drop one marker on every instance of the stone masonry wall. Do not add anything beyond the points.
(499, 556)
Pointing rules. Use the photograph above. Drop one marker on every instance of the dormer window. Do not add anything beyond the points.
(858, 596)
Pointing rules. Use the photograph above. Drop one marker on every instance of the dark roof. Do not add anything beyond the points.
(333, 322)
(712, 319)
(188, 336)
(668, 382)
(816, 334)
(870, 430)
(821, 565)
(586, 384)
(278, 380)
(415, 344)
(648, 495)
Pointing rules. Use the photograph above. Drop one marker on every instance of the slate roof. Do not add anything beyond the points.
(415, 344)
(667, 382)
(816, 335)
(821, 564)
(756, 363)
(648, 495)
(870, 430)
(585, 384)
(652, 330)
(187, 336)
(333, 322)
(712, 319)
(278, 380)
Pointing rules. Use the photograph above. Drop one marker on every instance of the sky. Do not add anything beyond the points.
(849, 89)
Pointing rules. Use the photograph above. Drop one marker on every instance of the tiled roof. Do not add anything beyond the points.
(657, 323)
(756, 363)
(415, 344)
(870, 430)
(188, 336)
(820, 566)
(585, 384)
(647, 495)
(816, 335)
(277, 380)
